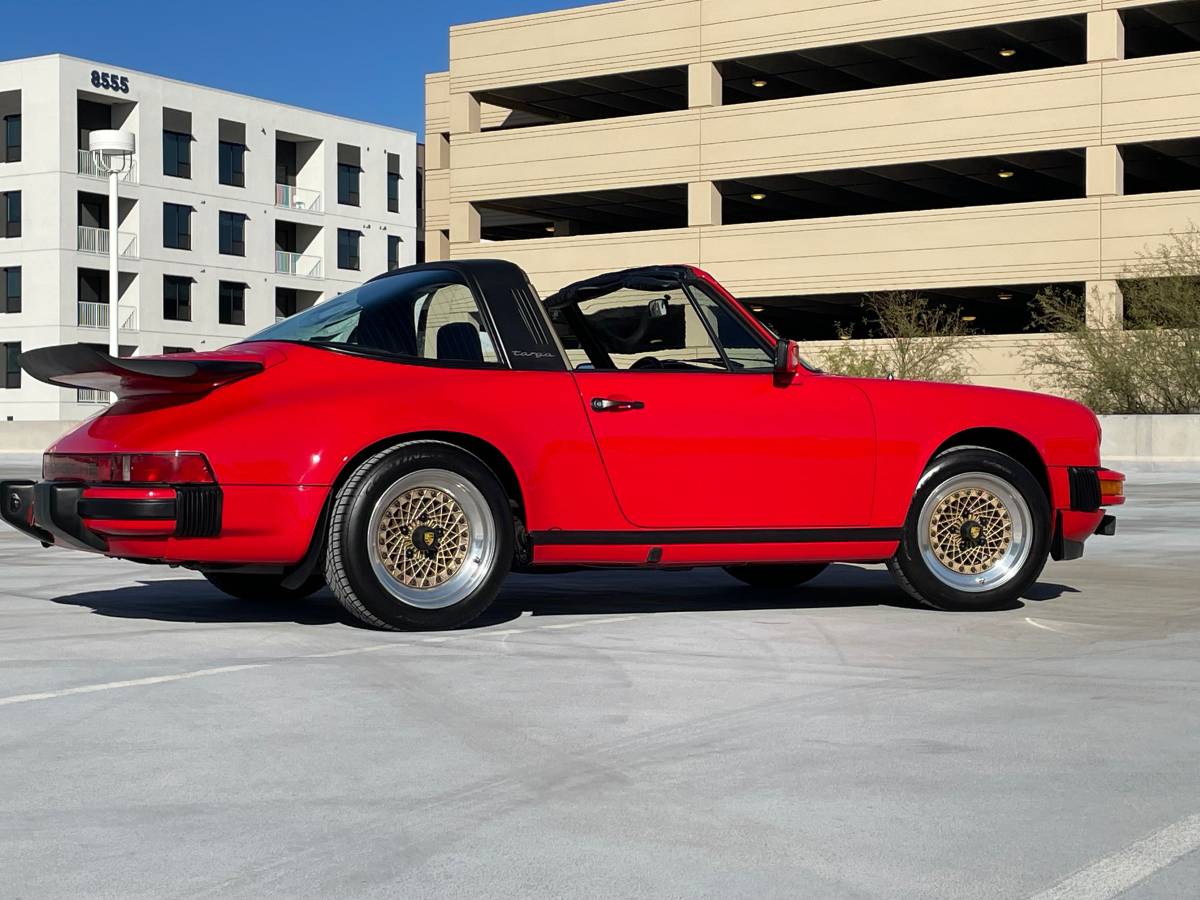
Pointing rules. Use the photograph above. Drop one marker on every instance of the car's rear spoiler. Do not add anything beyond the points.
(82, 366)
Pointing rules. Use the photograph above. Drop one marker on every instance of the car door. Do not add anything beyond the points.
(693, 436)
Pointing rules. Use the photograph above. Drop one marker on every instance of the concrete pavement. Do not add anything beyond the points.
(609, 734)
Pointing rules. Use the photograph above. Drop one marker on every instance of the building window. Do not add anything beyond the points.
(233, 164)
(177, 154)
(347, 248)
(10, 212)
(177, 226)
(12, 138)
(233, 234)
(348, 177)
(231, 302)
(167, 351)
(177, 298)
(393, 252)
(11, 352)
(10, 284)
(393, 192)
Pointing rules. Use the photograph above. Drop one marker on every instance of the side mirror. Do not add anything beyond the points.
(787, 359)
(658, 308)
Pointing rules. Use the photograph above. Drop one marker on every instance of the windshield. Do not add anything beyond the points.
(430, 314)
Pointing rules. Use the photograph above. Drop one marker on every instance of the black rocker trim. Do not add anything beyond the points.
(718, 536)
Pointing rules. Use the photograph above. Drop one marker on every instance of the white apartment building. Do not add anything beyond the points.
(236, 211)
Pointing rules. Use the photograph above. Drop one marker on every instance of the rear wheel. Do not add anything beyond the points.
(777, 576)
(421, 537)
(977, 534)
(262, 587)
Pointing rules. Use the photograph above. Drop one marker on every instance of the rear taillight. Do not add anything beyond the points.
(128, 468)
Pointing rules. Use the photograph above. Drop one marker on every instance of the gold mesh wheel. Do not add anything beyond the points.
(423, 538)
(975, 532)
(432, 539)
(970, 530)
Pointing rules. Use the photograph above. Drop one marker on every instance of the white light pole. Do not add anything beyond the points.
(114, 155)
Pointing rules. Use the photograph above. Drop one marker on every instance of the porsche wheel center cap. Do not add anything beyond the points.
(971, 533)
(427, 540)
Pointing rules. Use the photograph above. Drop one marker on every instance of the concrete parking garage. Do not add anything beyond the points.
(619, 734)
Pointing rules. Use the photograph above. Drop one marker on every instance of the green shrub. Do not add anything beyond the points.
(1146, 362)
(912, 339)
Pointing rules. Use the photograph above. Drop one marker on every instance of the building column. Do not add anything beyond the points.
(437, 152)
(1105, 36)
(1105, 304)
(464, 114)
(1105, 171)
(437, 245)
(465, 223)
(705, 85)
(704, 204)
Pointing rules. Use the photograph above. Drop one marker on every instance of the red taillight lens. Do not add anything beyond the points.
(128, 468)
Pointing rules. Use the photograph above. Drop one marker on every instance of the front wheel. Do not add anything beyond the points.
(421, 537)
(977, 534)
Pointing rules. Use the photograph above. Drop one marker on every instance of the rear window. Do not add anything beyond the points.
(429, 315)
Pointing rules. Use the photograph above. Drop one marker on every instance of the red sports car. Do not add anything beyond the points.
(412, 441)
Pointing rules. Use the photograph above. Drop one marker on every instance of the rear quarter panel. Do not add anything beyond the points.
(300, 423)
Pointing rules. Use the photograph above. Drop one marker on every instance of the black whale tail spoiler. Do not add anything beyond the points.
(82, 366)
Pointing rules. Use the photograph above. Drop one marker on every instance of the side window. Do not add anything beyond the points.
(429, 314)
(643, 330)
(449, 326)
(742, 347)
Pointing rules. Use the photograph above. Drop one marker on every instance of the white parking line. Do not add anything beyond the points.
(332, 654)
(133, 682)
(1114, 874)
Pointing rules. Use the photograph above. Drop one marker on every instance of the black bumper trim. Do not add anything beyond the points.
(1107, 526)
(115, 508)
(17, 509)
(56, 508)
(1085, 488)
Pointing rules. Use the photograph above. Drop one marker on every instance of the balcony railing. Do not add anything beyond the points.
(297, 264)
(289, 197)
(90, 395)
(90, 168)
(95, 315)
(95, 240)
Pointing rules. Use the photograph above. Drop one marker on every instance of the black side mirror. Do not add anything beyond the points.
(658, 308)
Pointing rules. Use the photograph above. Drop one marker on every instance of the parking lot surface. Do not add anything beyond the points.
(609, 734)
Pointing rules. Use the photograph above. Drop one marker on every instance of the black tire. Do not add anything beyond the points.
(777, 576)
(914, 571)
(263, 587)
(348, 565)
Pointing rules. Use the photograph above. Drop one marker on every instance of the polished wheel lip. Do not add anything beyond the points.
(477, 551)
(1012, 513)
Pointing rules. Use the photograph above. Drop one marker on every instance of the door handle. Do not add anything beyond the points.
(604, 404)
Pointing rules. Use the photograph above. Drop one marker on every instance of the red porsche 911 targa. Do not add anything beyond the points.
(412, 441)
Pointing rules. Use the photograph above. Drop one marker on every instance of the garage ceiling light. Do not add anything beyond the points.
(758, 196)
(759, 82)
(1006, 173)
(1006, 52)
(759, 308)
(1004, 295)
(968, 318)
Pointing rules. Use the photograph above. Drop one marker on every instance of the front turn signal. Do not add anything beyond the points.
(1112, 487)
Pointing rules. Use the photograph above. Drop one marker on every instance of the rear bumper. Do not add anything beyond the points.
(87, 518)
(193, 524)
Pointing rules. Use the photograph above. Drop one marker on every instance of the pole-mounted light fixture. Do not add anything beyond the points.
(113, 151)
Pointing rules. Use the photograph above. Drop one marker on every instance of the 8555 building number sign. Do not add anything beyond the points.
(110, 81)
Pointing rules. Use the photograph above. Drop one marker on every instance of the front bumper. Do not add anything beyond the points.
(85, 517)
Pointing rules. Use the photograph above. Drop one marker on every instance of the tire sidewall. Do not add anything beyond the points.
(990, 462)
(354, 540)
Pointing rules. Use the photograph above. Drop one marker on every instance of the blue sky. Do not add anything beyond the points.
(360, 58)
